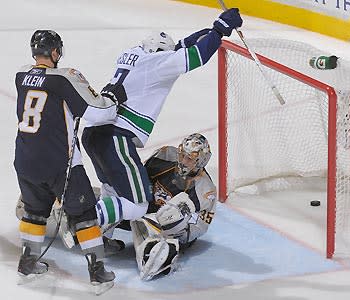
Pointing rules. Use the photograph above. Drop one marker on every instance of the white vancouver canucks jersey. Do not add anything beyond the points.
(147, 79)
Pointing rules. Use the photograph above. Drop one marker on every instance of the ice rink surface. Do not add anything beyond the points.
(259, 247)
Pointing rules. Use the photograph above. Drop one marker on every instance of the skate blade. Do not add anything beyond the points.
(25, 279)
(100, 288)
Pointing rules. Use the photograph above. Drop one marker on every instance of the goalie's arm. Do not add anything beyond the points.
(200, 225)
(204, 197)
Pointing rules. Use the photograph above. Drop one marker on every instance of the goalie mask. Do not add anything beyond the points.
(193, 154)
(158, 41)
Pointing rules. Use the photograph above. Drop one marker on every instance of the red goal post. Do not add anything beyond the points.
(237, 114)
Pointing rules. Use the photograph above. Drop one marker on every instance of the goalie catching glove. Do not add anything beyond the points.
(173, 217)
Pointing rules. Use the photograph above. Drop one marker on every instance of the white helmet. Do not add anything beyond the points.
(193, 154)
(158, 41)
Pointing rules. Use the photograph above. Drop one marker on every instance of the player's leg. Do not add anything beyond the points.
(38, 200)
(155, 255)
(115, 154)
(79, 206)
(91, 136)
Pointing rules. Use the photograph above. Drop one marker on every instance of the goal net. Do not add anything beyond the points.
(266, 146)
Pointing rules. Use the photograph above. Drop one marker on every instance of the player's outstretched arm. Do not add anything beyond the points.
(192, 39)
(223, 26)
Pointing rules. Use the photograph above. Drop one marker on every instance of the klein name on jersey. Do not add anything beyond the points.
(128, 59)
(36, 81)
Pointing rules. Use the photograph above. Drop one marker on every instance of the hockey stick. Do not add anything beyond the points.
(69, 169)
(256, 60)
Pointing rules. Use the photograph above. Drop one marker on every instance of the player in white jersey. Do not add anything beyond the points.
(147, 73)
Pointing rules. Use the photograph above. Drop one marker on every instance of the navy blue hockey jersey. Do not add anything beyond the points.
(47, 103)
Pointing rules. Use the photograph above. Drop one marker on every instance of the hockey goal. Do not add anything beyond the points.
(266, 146)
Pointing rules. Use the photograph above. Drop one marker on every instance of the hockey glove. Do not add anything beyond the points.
(115, 92)
(192, 39)
(227, 21)
(173, 217)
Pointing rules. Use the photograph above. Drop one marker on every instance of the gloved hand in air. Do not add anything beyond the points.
(227, 21)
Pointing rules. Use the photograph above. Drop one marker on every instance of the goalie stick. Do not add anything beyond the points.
(256, 60)
(69, 169)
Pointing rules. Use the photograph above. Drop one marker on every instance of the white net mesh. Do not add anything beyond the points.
(273, 147)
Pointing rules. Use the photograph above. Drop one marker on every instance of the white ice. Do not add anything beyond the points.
(257, 247)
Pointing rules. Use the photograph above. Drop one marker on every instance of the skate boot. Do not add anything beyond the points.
(112, 246)
(29, 268)
(99, 277)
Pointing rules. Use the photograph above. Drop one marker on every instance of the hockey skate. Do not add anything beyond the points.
(29, 268)
(112, 246)
(99, 277)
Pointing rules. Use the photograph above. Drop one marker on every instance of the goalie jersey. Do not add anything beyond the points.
(161, 168)
(48, 101)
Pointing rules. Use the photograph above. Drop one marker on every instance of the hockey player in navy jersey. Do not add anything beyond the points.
(48, 101)
(147, 73)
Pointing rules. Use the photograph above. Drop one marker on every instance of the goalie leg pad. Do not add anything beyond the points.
(158, 257)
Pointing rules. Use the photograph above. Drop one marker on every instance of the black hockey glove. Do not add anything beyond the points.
(115, 92)
(227, 21)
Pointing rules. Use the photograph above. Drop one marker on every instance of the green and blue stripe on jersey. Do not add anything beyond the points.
(199, 54)
(194, 59)
(139, 121)
(132, 170)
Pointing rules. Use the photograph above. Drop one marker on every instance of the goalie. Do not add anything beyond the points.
(183, 207)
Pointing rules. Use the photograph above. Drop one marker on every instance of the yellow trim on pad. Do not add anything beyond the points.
(32, 229)
(88, 234)
(286, 14)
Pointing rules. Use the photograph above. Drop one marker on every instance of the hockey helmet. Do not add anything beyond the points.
(44, 41)
(158, 41)
(193, 154)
